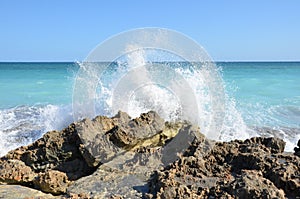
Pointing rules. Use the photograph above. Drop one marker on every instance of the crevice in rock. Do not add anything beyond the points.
(56, 151)
(113, 157)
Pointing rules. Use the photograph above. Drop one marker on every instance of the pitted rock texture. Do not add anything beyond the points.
(52, 181)
(59, 158)
(146, 157)
(254, 168)
(105, 138)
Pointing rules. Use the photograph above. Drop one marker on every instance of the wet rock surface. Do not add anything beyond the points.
(146, 157)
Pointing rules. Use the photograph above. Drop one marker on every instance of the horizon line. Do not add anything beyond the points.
(74, 61)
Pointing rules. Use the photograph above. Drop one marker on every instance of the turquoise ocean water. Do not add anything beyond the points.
(263, 99)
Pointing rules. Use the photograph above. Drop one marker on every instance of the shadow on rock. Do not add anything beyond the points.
(146, 157)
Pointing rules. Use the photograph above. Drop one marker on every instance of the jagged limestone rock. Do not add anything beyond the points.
(120, 157)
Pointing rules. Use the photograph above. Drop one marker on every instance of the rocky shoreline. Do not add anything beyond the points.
(146, 157)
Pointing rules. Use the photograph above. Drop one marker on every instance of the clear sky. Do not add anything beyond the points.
(67, 30)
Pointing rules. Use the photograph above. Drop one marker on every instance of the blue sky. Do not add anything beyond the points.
(65, 30)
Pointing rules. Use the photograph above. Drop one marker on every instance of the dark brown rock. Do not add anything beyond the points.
(52, 181)
(254, 168)
(55, 150)
(105, 138)
(129, 133)
(285, 174)
(276, 145)
(15, 172)
(145, 157)
(122, 138)
(51, 162)
(77, 196)
(33, 165)
(252, 184)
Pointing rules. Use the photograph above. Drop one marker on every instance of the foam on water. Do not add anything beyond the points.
(267, 97)
(24, 124)
(274, 120)
(247, 113)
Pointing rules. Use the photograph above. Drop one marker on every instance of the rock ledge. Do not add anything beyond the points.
(146, 157)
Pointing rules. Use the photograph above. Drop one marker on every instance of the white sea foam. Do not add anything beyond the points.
(134, 70)
(24, 124)
(273, 121)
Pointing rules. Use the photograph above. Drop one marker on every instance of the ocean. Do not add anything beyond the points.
(261, 99)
